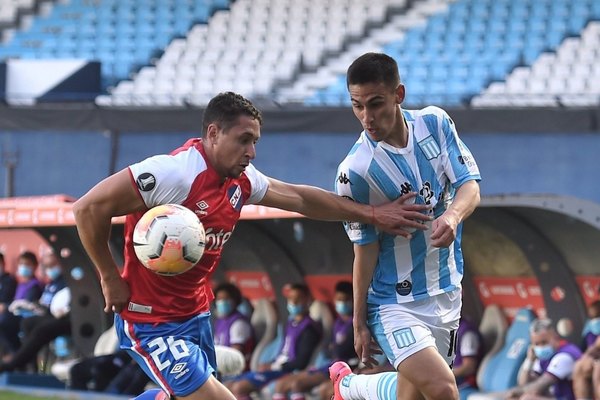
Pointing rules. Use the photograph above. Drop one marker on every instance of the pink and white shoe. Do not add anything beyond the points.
(337, 372)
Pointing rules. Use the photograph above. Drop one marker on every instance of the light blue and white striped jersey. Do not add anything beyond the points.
(434, 163)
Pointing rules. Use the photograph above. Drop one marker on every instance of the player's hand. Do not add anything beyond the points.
(443, 230)
(116, 293)
(365, 346)
(400, 217)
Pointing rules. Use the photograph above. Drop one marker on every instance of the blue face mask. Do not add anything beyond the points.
(594, 326)
(24, 271)
(343, 307)
(543, 352)
(53, 272)
(224, 308)
(295, 309)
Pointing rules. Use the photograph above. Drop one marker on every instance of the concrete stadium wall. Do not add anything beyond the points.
(527, 163)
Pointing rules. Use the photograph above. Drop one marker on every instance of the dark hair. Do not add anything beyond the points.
(28, 255)
(231, 290)
(344, 287)
(225, 108)
(301, 287)
(373, 68)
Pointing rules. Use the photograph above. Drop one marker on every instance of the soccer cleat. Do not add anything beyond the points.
(337, 372)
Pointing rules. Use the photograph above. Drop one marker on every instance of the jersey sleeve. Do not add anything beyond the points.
(240, 332)
(161, 180)
(352, 186)
(561, 365)
(258, 182)
(459, 164)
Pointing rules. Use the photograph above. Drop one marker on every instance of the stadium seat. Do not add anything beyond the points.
(320, 312)
(500, 370)
(264, 320)
(493, 328)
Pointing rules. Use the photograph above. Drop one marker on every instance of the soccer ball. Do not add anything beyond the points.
(169, 239)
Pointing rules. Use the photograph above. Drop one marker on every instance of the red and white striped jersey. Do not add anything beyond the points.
(185, 177)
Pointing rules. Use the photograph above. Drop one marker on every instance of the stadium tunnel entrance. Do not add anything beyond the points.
(520, 251)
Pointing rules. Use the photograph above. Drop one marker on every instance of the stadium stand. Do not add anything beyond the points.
(461, 50)
(123, 34)
(570, 77)
(450, 52)
(251, 48)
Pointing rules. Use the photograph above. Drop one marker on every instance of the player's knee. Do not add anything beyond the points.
(442, 391)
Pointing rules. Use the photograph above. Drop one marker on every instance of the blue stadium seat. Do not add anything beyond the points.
(501, 370)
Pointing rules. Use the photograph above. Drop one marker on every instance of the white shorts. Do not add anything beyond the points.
(401, 330)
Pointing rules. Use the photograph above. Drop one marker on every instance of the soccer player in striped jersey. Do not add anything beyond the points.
(407, 290)
(164, 321)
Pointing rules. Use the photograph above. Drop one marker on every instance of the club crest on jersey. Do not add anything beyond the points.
(235, 197)
(430, 147)
(146, 182)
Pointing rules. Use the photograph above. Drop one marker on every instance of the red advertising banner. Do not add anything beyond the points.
(511, 294)
(253, 284)
(589, 286)
(322, 287)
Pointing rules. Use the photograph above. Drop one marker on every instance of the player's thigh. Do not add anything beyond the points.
(212, 389)
(426, 371)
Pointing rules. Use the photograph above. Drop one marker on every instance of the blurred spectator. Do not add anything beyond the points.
(232, 328)
(28, 290)
(341, 348)
(43, 326)
(469, 352)
(546, 372)
(302, 336)
(8, 287)
(583, 383)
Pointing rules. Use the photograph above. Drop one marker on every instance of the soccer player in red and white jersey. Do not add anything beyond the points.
(164, 321)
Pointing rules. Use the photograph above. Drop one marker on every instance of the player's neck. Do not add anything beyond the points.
(399, 136)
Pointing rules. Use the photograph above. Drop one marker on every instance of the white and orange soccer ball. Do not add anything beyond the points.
(169, 239)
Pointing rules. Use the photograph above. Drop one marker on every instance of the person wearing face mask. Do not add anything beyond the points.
(231, 327)
(8, 287)
(28, 290)
(341, 348)
(584, 386)
(547, 371)
(301, 338)
(43, 326)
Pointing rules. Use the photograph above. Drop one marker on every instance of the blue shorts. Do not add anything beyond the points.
(260, 379)
(178, 356)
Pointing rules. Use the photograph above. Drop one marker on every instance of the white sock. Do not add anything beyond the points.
(380, 386)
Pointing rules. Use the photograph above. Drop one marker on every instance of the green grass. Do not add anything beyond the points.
(6, 395)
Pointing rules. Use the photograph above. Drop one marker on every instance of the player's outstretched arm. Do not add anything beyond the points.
(394, 217)
(113, 196)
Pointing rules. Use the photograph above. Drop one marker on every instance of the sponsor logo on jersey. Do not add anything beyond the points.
(146, 182)
(426, 192)
(177, 368)
(467, 160)
(216, 240)
(404, 288)
(430, 147)
(202, 206)
(235, 196)
(343, 179)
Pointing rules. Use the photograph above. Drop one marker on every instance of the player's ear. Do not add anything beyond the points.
(212, 132)
(400, 94)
